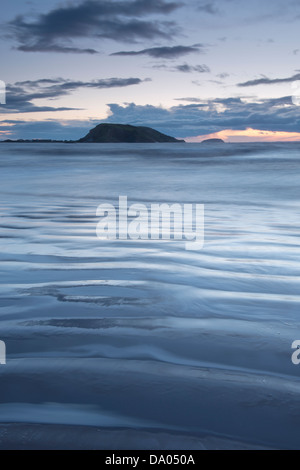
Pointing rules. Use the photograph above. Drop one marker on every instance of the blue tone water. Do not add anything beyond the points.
(145, 345)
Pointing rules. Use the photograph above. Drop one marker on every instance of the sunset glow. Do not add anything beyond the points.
(249, 135)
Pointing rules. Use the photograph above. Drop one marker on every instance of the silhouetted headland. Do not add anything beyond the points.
(213, 141)
(118, 133)
(112, 133)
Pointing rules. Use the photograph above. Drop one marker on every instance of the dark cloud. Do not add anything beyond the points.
(60, 86)
(41, 47)
(21, 95)
(223, 75)
(191, 100)
(216, 82)
(116, 20)
(205, 117)
(164, 52)
(208, 7)
(270, 81)
(192, 68)
(185, 68)
(40, 82)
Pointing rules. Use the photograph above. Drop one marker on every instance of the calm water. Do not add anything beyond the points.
(144, 344)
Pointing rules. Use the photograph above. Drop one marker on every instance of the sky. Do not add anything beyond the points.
(193, 69)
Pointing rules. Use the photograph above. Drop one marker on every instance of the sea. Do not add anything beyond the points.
(144, 344)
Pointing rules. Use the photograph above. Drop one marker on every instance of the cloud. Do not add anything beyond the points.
(198, 117)
(55, 48)
(164, 52)
(116, 20)
(223, 75)
(191, 100)
(62, 86)
(210, 8)
(209, 116)
(270, 81)
(192, 68)
(20, 96)
(185, 68)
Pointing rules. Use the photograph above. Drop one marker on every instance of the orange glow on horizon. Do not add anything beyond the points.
(248, 135)
(5, 134)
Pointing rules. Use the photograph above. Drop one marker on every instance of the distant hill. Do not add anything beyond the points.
(110, 133)
(119, 133)
(213, 141)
